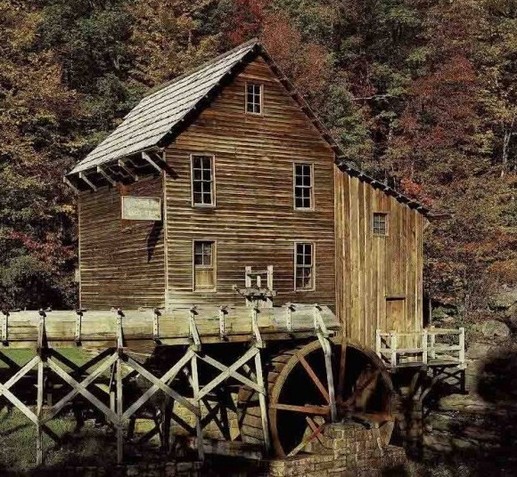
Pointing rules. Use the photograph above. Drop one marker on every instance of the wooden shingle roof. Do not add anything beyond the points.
(156, 114)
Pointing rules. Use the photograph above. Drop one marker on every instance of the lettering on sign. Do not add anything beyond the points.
(141, 208)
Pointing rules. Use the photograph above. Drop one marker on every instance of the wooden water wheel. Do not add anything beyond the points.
(299, 401)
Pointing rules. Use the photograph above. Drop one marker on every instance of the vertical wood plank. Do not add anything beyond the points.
(195, 389)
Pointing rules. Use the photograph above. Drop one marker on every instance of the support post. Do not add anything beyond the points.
(323, 334)
(262, 400)
(5, 327)
(462, 345)
(222, 322)
(78, 326)
(378, 342)
(156, 324)
(120, 411)
(432, 339)
(194, 334)
(289, 316)
(424, 346)
(270, 277)
(39, 408)
(393, 346)
(255, 328)
(195, 389)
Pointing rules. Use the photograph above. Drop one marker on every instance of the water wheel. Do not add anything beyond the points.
(298, 397)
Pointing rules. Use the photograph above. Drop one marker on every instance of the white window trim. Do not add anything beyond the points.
(213, 204)
(214, 265)
(261, 85)
(313, 288)
(312, 207)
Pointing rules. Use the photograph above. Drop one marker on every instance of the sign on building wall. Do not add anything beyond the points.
(141, 208)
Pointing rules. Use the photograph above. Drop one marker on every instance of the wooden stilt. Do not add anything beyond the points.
(262, 400)
(195, 388)
(39, 407)
(120, 410)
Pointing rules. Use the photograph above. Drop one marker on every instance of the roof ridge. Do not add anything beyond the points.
(254, 41)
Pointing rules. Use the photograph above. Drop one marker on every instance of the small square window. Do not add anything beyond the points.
(380, 223)
(254, 98)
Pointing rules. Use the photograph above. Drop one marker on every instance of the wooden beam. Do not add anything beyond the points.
(121, 163)
(56, 408)
(82, 390)
(146, 157)
(229, 371)
(82, 176)
(197, 398)
(120, 410)
(69, 184)
(262, 400)
(106, 176)
(159, 383)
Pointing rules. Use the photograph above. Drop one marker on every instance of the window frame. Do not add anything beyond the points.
(311, 197)
(213, 182)
(386, 223)
(261, 97)
(213, 266)
(313, 266)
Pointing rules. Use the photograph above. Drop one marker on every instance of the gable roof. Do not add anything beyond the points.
(159, 117)
(155, 115)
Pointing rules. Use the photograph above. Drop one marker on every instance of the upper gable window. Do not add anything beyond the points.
(303, 186)
(380, 223)
(203, 181)
(254, 93)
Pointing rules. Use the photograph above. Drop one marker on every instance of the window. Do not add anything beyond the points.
(303, 190)
(254, 98)
(380, 223)
(204, 266)
(304, 266)
(203, 181)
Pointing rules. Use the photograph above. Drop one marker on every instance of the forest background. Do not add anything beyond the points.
(421, 93)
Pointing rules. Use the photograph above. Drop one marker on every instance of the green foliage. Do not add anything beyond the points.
(421, 93)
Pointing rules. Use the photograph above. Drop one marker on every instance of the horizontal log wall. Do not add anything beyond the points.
(121, 261)
(379, 278)
(254, 222)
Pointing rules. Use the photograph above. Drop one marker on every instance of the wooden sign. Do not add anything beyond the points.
(141, 208)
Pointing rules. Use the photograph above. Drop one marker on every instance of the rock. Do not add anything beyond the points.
(504, 299)
(465, 403)
(492, 329)
(444, 312)
(478, 350)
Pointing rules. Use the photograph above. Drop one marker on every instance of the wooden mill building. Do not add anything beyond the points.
(225, 175)
(225, 240)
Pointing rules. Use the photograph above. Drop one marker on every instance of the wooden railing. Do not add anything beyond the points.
(432, 346)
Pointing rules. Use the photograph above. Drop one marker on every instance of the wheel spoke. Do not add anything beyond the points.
(314, 378)
(308, 409)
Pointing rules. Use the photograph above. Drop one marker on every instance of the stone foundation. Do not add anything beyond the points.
(344, 450)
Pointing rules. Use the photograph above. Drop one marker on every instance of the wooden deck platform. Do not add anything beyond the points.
(179, 326)
(434, 347)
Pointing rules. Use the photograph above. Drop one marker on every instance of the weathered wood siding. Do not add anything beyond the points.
(121, 262)
(379, 278)
(254, 222)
